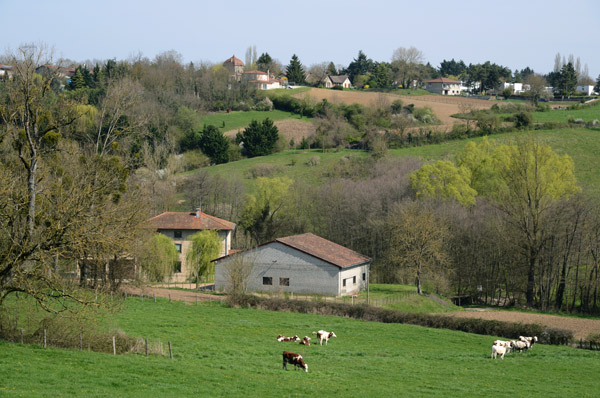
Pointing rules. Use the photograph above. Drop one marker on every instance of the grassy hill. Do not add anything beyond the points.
(582, 145)
(222, 352)
(240, 120)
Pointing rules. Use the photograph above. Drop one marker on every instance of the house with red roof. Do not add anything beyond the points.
(303, 264)
(235, 66)
(261, 80)
(443, 86)
(180, 226)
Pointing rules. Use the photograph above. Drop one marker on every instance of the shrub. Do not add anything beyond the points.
(265, 105)
(194, 160)
(313, 161)
(487, 122)
(523, 119)
(396, 106)
(340, 88)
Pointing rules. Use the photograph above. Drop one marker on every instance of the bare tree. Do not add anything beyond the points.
(407, 64)
(237, 271)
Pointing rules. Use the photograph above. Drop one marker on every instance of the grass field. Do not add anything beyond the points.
(239, 120)
(562, 115)
(222, 352)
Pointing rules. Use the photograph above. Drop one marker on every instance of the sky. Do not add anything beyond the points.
(516, 34)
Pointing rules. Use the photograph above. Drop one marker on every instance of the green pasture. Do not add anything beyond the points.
(240, 120)
(223, 352)
(587, 114)
(581, 144)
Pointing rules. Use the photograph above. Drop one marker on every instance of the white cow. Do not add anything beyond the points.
(323, 335)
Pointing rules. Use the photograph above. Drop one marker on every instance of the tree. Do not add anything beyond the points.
(295, 71)
(360, 66)
(158, 257)
(237, 270)
(318, 73)
(205, 247)
(537, 88)
(259, 138)
(265, 63)
(597, 86)
(523, 179)
(406, 65)
(443, 179)
(214, 144)
(417, 241)
(567, 80)
(264, 212)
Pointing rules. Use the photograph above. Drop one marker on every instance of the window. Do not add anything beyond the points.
(354, 280)
(284, 281)
(364, 276)
(267, 280)
(177, 234)
(177, 267)
(344, 283)
(178, 247)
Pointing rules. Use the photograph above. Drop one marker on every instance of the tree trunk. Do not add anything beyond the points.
(529, 294)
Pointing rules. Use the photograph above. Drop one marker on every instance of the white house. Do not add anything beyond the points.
(587, 90)
(261, 80)
(332, 80)
(518, 88)
(443, 86)
(304, 264)
(179, 226)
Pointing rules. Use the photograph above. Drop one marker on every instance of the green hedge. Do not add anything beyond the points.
(375, 314)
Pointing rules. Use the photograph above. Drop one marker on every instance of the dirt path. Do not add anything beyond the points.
(580, 327)
(189, 296)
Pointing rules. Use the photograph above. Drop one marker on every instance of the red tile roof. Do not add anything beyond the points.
(441, 80)
(324, 249)
(234, 60)
(257, 72)
(189, 221)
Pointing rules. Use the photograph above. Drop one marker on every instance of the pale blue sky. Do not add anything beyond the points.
(509, 32)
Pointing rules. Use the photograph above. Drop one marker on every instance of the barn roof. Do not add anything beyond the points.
(338, 79)
(189, 221)
(441, 80)
(321, 248)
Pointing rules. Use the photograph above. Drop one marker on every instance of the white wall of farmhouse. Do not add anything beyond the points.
(280, 268)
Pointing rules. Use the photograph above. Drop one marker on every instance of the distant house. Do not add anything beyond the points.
(443, 86)
(179, 226)
(304, 264)
(58, 71)
(235, 66)
(6, 71)
(333, 80)
(261, 80)
(586, 90)
(518, 88)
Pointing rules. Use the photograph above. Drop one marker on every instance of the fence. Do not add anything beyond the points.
(352, 300)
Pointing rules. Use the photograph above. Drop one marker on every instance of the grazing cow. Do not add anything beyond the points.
(520, 345)
(281, 338)
(305, 340)
(323, 335)
(506, 344)
(530, 341)
(294, 359)
(498, 350)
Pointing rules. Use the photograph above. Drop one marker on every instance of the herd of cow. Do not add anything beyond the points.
(501, 347)
(296, 359)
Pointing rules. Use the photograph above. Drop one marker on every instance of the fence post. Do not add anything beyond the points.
(114, 347)
(170, 350)
(155, 297)
(81, 341)
(142, 297)
(44, 338)
(196, 299)
(169, 297)
(146, 340)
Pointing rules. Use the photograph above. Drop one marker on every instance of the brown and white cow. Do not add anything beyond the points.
(323, 335)
(281, 338)
(305, 340)
(294, 359)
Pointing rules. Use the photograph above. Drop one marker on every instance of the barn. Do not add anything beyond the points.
(303, 264)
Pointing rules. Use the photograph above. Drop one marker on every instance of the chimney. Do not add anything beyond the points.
(198, 211)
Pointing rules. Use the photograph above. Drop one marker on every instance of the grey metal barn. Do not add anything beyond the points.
(303, 264)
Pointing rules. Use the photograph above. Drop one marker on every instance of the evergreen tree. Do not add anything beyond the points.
(259, 138)
(295, 71)
(331, 69)
(87, 77)
(597, 86)
(264, 62)
(77, 81)
(214, 145)
(360, 66)
(567, 80)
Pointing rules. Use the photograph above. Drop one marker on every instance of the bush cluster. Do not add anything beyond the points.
(376, 314)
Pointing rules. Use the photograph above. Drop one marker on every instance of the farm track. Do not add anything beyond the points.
(580, 327)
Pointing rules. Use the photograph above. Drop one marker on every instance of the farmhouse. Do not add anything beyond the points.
(331, 81)
(443, 86)
(305, 264)
(179, 226)
(261, 80)
(586, 90)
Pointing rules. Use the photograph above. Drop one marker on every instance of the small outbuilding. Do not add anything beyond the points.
(302, 264)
